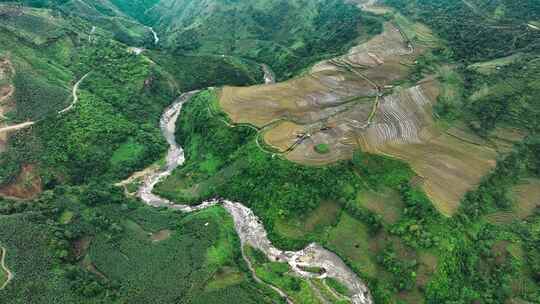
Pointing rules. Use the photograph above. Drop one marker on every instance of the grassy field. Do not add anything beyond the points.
(349, 238)
(527, 198)
(326, 215)
(493, 66)
(387, 203)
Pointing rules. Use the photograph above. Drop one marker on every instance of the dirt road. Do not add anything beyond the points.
(74, 95)
(27, 124)
(3, 253)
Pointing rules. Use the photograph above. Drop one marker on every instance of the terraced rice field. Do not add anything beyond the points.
(449, 167)
(526, 199)
(353, 102)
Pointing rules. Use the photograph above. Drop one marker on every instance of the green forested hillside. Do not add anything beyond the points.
(72, 230)
(72, 236)
(287, 35)
(115, 128)
(479, 30)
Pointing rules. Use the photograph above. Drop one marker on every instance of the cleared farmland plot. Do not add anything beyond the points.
(386, 203)
(327, 214)
(351, 102)
(527, 198)
(492, 66)
(330, 84)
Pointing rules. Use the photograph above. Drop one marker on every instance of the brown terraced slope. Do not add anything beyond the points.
(354, 101)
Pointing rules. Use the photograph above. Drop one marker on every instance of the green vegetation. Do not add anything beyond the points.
(200, 71)
(66, 217)
(337, 286)
(231, 157)
(314, 222)
(389, 254)
(386, 203)
(322, 148)
(36, 98)
(104, 254)
(508, 98)
(276, 274)
(350, 238)
(82, 241)
(260, 30)
(470, 28)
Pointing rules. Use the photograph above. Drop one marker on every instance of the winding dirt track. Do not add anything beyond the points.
(27, 124)
(74, 95)
(248, 226)
(3, 253)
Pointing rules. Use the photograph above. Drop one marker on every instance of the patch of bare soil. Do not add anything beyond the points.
(26, 186)
(89, 266)
(449, 167)
(527, 198)
(80, 246)
(6, 91)
(427, 267)
(500, 251)
(284, 135)
(161, 235)
(335, 101)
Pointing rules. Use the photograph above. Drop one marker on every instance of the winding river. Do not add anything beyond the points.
(248, 226)
(156, 38)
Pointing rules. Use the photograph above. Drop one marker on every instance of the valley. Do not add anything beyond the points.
(247, 225)
(268, 151)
